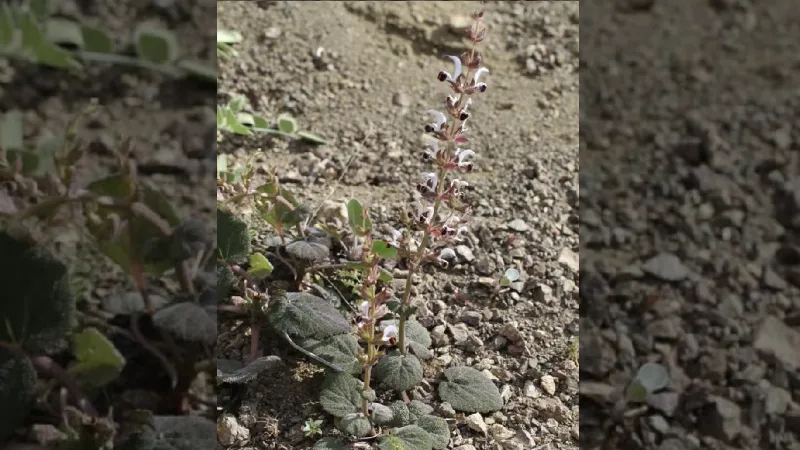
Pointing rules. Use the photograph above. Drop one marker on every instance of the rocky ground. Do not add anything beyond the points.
(690, 221)
(362, 75)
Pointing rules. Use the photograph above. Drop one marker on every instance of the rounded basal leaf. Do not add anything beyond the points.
(510, 276)
(355, 424)
(653, 376)
(468, 390)
(38, 308)
(307, 251)
(384, 250)
(179, 433)
(400, 412)
(96, 40)
(340, 350)
(260, 267)
(410, 437)
(17, 392)
(63, 32)
(398, 372)
(155, 45)
(635, 392)
(287, 124)
(225, 281)
(358, 218)
(98, 360)
(382, 414)
(235, 372)
(127, 303)
(233, 240)
(419, 409)
(188, 321)
(341, 394)
(307, 316)
(417, 337)
(437, 429)
(330, 443)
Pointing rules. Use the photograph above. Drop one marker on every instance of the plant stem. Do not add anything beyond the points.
(255, 335)
(370, 349)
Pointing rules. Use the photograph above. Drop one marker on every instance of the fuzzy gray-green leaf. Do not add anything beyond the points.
(17, 391)
(38, 307)
(400, 413)
(188, 321)
(410, 437)
(355, 424)
(468, 390)
(225, 281)
(307, 316)
(437, 429)
(178, 433)
(340, 350)
(419, 409)
(330, 443)
(382, 414)
(341, 394)
(235, 372)
(233, 240)
(398, 372)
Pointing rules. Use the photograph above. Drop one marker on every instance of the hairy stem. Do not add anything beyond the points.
(370, 349)
(255, 336)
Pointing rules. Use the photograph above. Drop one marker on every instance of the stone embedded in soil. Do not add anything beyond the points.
(664, 402)
(229, 432)
(500, 432)
(777, 340)
(570, 259)
(722, 420)
(472, 318)
(476, 422)
(510, 332)
(465, 253)
(548, 384)
(518, 225)
(666, 267)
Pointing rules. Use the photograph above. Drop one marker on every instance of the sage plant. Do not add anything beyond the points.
(442, 187)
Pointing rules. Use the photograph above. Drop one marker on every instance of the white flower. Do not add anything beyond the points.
(430, 180)
(364, 309)
(445, 76)
(461, 230)
(390, 333)
(439, 120)
(444, 256)
(457, 185)
(452, 221)
(422, 213)
(433, 149)
(479, 86)
(396, 235)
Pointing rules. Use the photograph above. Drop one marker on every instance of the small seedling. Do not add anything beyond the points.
(312, 427)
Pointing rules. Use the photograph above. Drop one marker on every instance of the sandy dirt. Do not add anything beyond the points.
(362, 75)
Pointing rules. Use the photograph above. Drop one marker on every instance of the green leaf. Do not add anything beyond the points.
(419, 409)
(32, 35)
(330, 443)
(653, 376)
(635, 392)
(260, 267)
(8, 30)
(198, 69)
(96, 40)
(398, 372)
(54, 56)
(510, 276)
(287, 124)
(307, 316)
(417, 337)
(400, 412)
(188, 321)
(11, 131)
(225, 281)
(228, 37)
(61, 31)
(235, 372)
(46, 150)
(17, 392)
(341, 394)
(222, 163)
(358, 218)
(131, 302)
(437, 429)
(355, 424)
(155, 45)
(98, 360)
(468, 390)
(29, 161)
(43, 8)
(340, 350)
(384, 250)
(382, 414)
(410, 437)
(310, 137)
(38, 311)
(245, 119)
(233, 239)
(178, 433)
(260, 122)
